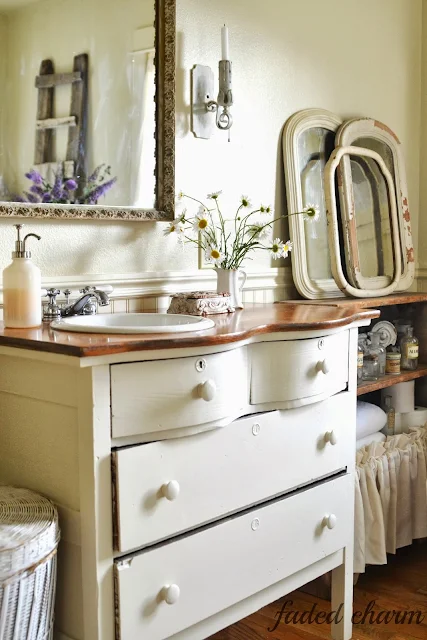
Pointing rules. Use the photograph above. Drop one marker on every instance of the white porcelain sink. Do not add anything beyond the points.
(134, 323)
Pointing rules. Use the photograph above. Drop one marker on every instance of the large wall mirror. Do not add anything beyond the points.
(87, 109)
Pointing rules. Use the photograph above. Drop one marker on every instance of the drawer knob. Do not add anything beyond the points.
(330, 436)
(171, 490)
(171, 593)
(330, 521)
(207, 390)
(322, 366)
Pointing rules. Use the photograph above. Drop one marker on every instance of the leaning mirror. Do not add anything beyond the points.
(365, 207)
(356, 220)
(308, 141)
(87, 109)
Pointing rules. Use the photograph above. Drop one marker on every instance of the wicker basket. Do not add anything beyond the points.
(29, 536)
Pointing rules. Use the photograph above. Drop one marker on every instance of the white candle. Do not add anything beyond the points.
(224, 44)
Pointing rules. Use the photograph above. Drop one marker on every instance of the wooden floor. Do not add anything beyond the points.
(401, 585)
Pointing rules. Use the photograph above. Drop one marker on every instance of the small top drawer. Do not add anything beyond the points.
(168, 487)
(161, 395)
(294, 371)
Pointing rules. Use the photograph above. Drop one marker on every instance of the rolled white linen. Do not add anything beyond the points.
(369, 419)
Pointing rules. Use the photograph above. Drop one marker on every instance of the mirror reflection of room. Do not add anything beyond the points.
(65, 96)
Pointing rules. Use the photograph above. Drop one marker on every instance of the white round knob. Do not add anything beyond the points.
(330, 436)
(330, 521)
(322, 366)
(207, 390)
(171, 490)
(171, 593)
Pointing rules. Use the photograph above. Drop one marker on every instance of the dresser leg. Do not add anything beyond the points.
(342, 597)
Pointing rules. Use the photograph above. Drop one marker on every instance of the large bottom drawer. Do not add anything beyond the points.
(165, 590)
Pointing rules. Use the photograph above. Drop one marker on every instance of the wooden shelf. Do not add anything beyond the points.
(390, 380)
(370, 303)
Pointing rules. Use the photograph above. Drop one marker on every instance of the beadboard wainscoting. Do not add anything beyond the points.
(151, 291)
(421, 279)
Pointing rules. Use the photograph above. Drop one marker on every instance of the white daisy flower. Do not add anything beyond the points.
(214, 195)
(276, 249)
(245, 202)
(259, 230)
(266, 209)
(177, 228)
(214, 256)
(180, 195)
(201, 221)
(311, 213)
(287, 247)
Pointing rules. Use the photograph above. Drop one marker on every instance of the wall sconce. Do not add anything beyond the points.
(207, 113)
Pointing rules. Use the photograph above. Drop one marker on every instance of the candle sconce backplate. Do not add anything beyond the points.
(202, 92)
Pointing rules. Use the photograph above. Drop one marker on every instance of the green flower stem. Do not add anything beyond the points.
(234, 256)
(222, 229)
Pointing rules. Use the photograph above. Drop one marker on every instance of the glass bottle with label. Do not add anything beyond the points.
(389, 429)
(409, 350)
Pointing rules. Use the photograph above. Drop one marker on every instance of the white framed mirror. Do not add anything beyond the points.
(354, 228)
(308, 141)
(87, 109)
(364, 203)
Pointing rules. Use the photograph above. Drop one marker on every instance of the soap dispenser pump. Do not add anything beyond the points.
(22, 287)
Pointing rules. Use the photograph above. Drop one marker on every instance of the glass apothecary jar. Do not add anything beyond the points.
(409, 350)
(371, 366)
(376, 348)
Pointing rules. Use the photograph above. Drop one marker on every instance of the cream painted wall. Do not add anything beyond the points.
(423, 172)
(2, 91)
(354, 57)
(48, 29)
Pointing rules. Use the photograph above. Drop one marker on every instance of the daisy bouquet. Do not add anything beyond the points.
(227, 242)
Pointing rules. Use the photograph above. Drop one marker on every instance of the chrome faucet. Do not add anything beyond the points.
(86, 304)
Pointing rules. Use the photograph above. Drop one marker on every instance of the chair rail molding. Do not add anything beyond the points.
(164, 283)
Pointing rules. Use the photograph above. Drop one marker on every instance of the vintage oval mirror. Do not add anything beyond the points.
(308, 141)
(364, 213)
(363, 195)
(87, 109)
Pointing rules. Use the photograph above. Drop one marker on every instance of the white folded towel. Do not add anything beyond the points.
(374, 437)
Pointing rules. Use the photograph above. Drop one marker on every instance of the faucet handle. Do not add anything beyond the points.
(87, 289)
(51, 294)
(51, 311)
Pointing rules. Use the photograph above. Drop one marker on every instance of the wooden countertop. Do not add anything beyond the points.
(243, 324)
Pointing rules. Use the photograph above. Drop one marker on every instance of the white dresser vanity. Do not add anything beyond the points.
(197, 477)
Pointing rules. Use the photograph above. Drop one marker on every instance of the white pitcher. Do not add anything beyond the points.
(228, 280)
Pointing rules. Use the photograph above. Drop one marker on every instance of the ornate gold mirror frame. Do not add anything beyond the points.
(165, 29)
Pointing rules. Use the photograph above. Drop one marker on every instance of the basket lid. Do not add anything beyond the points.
(28, 530)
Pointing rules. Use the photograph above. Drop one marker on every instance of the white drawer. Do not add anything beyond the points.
(222, 565)
(161, 395)
(295, 371)
(213, 474)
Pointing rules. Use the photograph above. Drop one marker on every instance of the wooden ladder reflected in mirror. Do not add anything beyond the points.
(45, 160)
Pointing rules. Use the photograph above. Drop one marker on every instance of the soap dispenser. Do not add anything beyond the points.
(22, 287)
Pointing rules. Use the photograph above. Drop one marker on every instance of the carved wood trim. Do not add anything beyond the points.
(165, 28)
